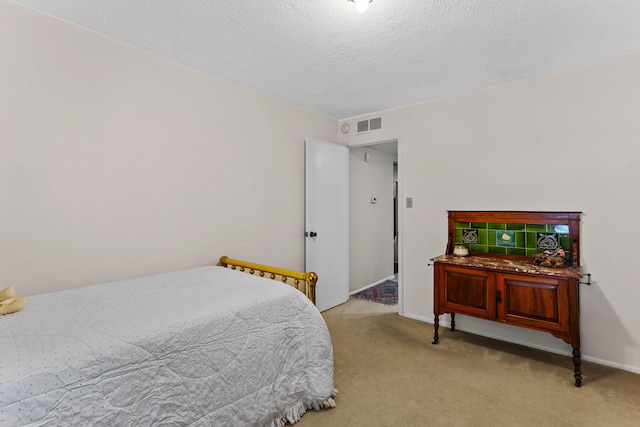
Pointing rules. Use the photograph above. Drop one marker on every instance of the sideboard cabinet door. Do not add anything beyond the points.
(536, 302)
(467, 291)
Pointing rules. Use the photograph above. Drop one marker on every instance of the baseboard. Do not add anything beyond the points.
(610, 364)
(567, 353)
(372, 285)
(420, 318)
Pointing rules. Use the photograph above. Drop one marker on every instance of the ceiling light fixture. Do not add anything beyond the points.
(361, 5)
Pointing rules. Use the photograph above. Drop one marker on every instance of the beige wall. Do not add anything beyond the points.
(370, 224)
(117, 163)
(566, 142)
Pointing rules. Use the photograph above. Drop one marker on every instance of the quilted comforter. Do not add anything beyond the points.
(200, 347)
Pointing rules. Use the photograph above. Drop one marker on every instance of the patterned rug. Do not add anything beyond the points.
(383, 293)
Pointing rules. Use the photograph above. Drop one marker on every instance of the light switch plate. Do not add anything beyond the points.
(409, 202)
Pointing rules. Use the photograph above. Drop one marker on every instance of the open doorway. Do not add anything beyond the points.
(395, 216)
(375, 223)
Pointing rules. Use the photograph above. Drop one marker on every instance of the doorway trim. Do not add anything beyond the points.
(383, 139)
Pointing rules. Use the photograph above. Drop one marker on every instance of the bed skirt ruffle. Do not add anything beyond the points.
(294, 414)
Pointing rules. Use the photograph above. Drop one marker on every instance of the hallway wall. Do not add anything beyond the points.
(371, 225)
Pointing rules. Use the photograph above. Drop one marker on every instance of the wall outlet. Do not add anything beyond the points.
(409, 202)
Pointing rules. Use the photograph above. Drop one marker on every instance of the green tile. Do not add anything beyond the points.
(532, 241)
(515, 251)
(563, 240)
(480, 248)
(520, 239)
(497, 226)
(531, 252)
(482, 237)
(491, 240)
(536, 227)
(478, 225)
(458, 236)
(551, 228)
(515, 226)
(497, 250)
(462, 225)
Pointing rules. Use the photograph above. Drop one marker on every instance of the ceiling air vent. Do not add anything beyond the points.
(375, 124)
(368, 125)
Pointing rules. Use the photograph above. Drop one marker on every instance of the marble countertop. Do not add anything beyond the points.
(503, 264)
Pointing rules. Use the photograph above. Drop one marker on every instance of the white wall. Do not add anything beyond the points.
(565, 142)
(117, 163)
(370, 225)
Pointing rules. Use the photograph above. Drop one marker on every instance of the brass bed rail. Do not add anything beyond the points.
(298, 277)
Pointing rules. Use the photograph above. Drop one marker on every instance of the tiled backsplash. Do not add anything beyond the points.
(512, 239)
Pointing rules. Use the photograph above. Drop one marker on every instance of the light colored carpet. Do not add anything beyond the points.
(388, 373)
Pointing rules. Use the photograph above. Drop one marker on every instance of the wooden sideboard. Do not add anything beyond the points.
(508, 287)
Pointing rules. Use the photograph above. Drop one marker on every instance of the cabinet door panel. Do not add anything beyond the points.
(469, 291)
(533, 301)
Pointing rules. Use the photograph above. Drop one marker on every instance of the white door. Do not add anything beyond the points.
(327, 220)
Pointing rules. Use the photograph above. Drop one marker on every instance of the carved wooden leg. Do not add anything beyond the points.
(576, 367)
(453, 322)
(436, 325)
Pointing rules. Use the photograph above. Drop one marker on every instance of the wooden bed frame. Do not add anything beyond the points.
(297, 277)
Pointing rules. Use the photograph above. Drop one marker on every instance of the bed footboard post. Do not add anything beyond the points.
(311, 278)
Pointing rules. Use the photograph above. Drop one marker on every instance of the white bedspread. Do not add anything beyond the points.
(201, 347)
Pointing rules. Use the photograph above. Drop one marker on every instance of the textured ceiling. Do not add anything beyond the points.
(326, 57)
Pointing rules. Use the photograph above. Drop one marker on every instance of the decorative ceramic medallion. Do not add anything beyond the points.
(470, 236)
(547, 240)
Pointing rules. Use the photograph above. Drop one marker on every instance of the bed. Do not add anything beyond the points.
(200, 347)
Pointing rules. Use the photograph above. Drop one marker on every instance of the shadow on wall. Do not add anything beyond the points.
(598, 318)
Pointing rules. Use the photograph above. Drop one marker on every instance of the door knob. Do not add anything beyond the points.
(311, 234)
